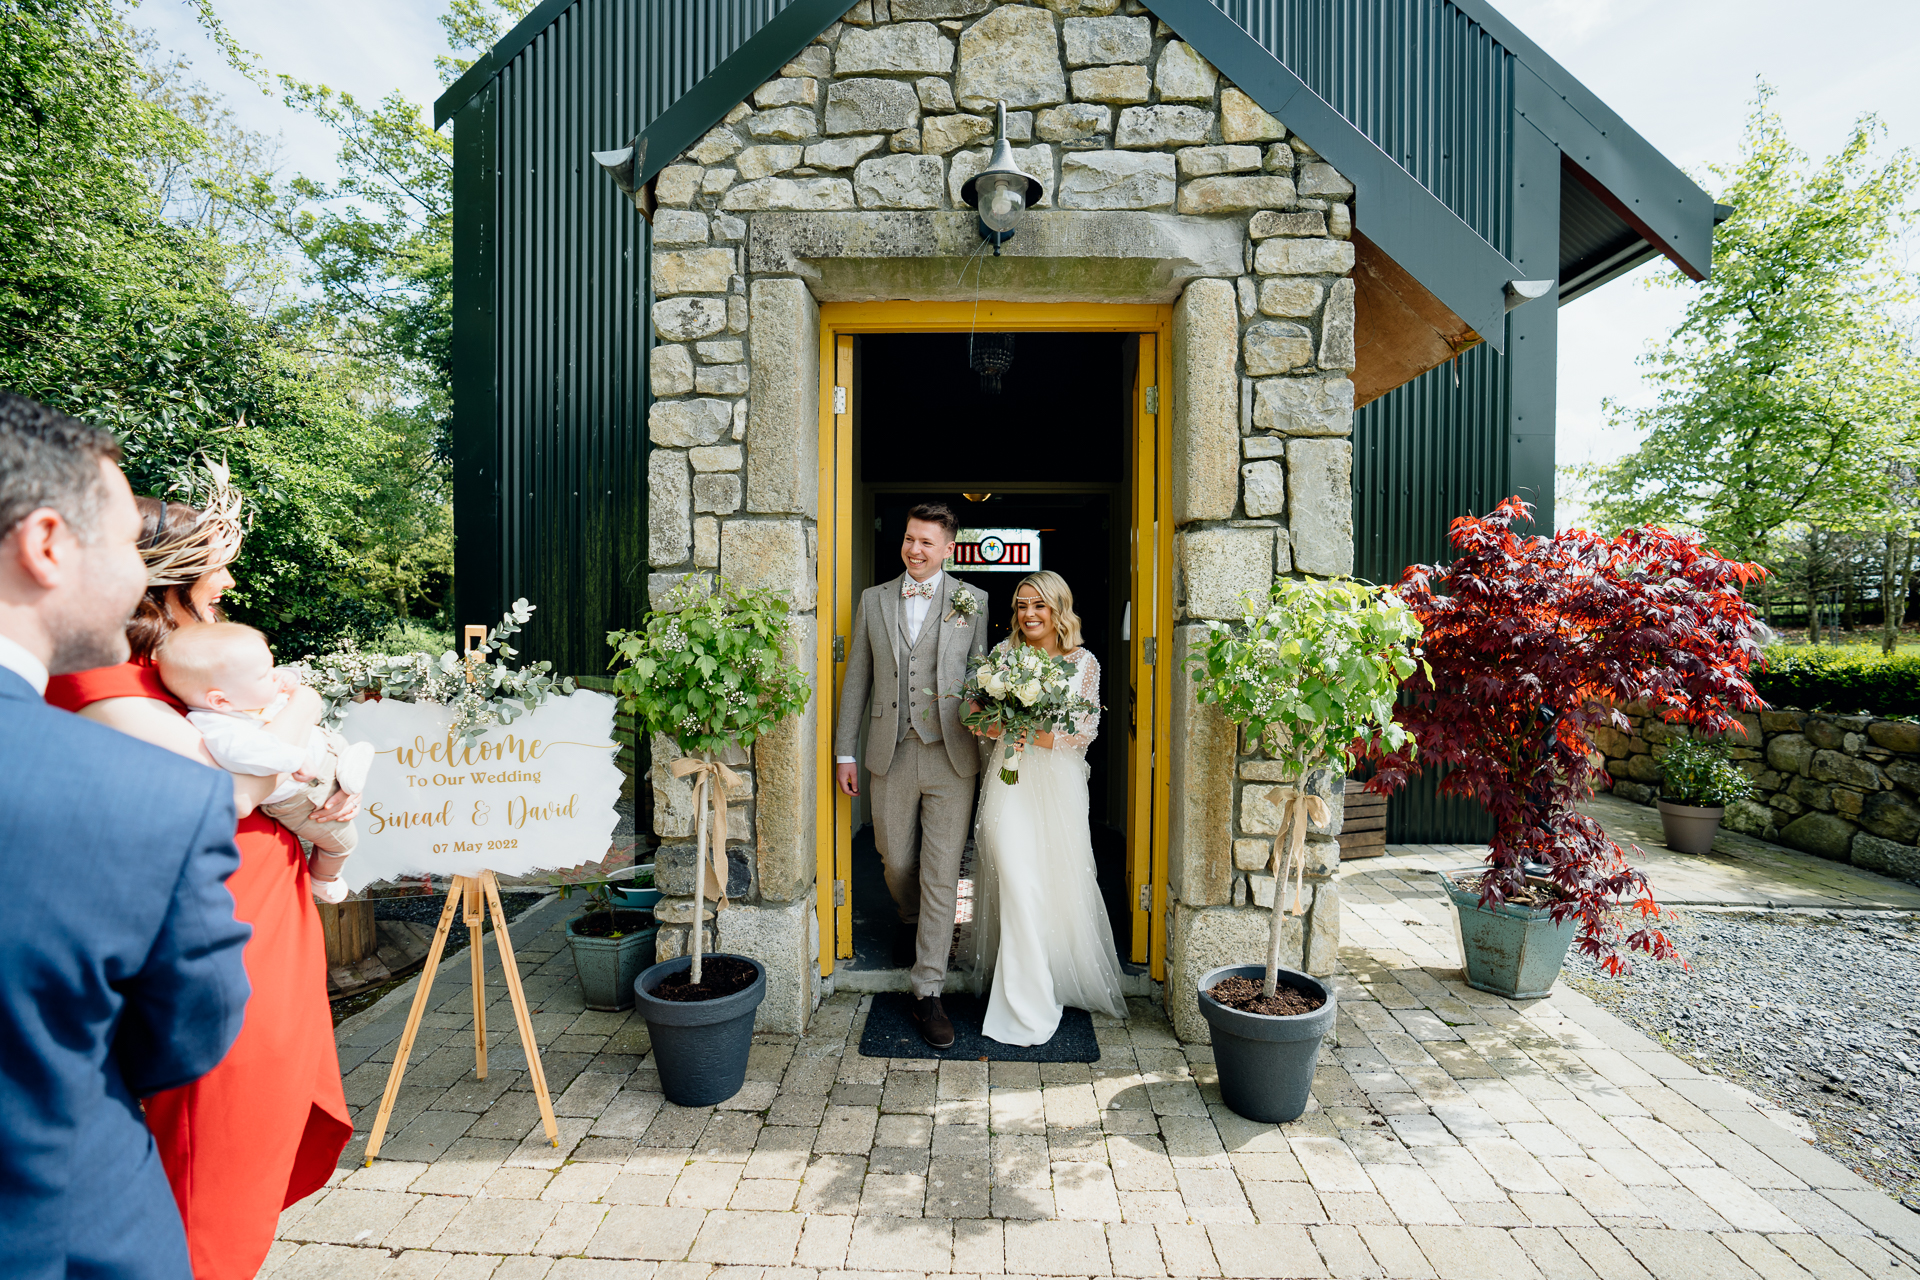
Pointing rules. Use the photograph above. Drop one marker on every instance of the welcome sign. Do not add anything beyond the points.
(535, 795)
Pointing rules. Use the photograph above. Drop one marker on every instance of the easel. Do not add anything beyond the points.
(474, 895)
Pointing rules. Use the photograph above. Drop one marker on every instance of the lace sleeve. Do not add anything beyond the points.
(1086, 727)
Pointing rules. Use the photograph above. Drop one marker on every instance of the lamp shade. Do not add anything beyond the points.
(1000, 193)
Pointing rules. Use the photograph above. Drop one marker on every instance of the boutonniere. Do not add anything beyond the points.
(962, 604)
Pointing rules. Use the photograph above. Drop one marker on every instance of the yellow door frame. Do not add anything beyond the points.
(1150, 636)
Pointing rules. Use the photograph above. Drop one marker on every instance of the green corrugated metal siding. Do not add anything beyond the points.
(1433, 90)
(563, 443)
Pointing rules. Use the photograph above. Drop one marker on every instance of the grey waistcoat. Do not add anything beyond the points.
(920, 656)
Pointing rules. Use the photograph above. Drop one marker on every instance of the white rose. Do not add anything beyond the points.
(995, 684)
(1028, 693)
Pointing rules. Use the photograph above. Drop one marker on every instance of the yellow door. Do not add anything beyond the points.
(1150, 588)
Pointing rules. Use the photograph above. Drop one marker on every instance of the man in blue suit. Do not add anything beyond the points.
(120, 969)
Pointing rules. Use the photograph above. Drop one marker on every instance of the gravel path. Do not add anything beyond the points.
(1811, 1010)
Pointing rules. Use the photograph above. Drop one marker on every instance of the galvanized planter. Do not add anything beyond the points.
(1690, 828)
(608, 966)
(1514, 951)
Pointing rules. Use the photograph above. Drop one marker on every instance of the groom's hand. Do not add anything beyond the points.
(848, 776)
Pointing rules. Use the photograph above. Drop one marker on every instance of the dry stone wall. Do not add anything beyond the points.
(1843, 787)
(1161, 182)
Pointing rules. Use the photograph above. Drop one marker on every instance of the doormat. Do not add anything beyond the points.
(891, 1033)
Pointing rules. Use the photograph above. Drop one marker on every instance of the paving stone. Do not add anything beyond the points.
(1330, 1166)
(846, 1131)
(353, 1217)
(1265, 1250)
(1187, 1249)
(884, 1243)
(465, 1168)
(1396, 1253)
(572, 1228)
(1085, 1191)
(1682, 1255)
(1680, 1209)
(1473, 1253)
(705, 1184)
(632, 1231)
(739, 1238)
(979, 1247)
(832, 1184)
(497, 1226)
(1286, 1202)
(959, 1187)
(823, 1242)
(1412, 1194)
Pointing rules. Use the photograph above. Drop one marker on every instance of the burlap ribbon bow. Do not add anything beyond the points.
(1301, 810)
(712, 858)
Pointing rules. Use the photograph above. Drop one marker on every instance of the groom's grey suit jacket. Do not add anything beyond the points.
(873, 682)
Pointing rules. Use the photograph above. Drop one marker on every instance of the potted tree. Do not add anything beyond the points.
(1697, 783)
(611, 943)
(712, 672)
(1532, 642)
(1309, 673)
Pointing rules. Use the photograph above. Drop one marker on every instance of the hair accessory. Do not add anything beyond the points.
(209, 543)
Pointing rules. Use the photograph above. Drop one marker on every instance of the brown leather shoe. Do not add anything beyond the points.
(935, 1027)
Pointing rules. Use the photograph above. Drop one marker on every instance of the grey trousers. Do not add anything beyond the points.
(921, 811)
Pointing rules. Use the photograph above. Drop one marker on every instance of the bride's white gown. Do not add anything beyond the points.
(1040, 927)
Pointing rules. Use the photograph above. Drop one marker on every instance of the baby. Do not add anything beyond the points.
(224, 672)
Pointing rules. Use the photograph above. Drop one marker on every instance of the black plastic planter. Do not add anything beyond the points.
(1265, 1062)
(700, 1047)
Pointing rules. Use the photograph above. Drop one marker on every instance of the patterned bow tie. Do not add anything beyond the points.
(909, 589)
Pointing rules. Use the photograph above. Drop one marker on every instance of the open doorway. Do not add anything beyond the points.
(1045, 456)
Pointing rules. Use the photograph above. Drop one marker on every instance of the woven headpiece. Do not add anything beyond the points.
(180, 559)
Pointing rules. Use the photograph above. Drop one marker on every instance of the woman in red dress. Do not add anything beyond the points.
(266, 1126)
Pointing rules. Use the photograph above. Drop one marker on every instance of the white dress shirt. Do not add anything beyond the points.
(914, 614)
(915, 607)
(15, 658)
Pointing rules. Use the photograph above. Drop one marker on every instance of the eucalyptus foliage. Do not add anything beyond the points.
(484, 693)
(711, 671)
(1312, 669)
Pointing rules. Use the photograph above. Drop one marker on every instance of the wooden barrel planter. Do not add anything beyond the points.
(350, 932)
(1363, 822)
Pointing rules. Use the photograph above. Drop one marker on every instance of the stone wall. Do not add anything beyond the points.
(839, 180)
(1843, 787)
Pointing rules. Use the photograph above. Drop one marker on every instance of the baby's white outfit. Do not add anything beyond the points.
(240, 742)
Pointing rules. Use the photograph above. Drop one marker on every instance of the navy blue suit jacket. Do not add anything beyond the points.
(120, 976)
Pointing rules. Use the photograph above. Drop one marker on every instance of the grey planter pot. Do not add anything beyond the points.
(608, 966)
(1266, 1063)
(1515, 951)
(1690, 828)
(700, 1048)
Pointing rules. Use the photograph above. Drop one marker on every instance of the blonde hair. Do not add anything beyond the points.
(1059, 597)
(193, 660)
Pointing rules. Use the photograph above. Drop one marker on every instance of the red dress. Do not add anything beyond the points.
(265, 1127)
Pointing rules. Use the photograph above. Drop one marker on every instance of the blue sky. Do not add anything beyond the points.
(1682, 72)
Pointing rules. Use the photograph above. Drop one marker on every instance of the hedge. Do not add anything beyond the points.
(1851, 681)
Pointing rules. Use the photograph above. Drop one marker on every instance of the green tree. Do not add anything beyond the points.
(1790, 393)
(129, 297)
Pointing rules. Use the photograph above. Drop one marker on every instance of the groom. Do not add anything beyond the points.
(911, 641)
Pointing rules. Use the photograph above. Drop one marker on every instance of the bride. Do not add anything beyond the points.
(1041, 928)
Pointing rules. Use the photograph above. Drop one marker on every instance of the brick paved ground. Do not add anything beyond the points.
(1454, 1136)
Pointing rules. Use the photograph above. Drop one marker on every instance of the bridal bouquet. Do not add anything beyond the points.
(1023, 690)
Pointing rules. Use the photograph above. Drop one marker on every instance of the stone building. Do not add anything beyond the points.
(750, 348)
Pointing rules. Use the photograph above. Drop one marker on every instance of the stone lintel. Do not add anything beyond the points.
(1058, 256)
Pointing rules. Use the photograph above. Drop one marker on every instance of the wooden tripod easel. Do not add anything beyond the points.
(476, 894)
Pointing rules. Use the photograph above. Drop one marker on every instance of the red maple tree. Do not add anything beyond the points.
(1532, 642)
